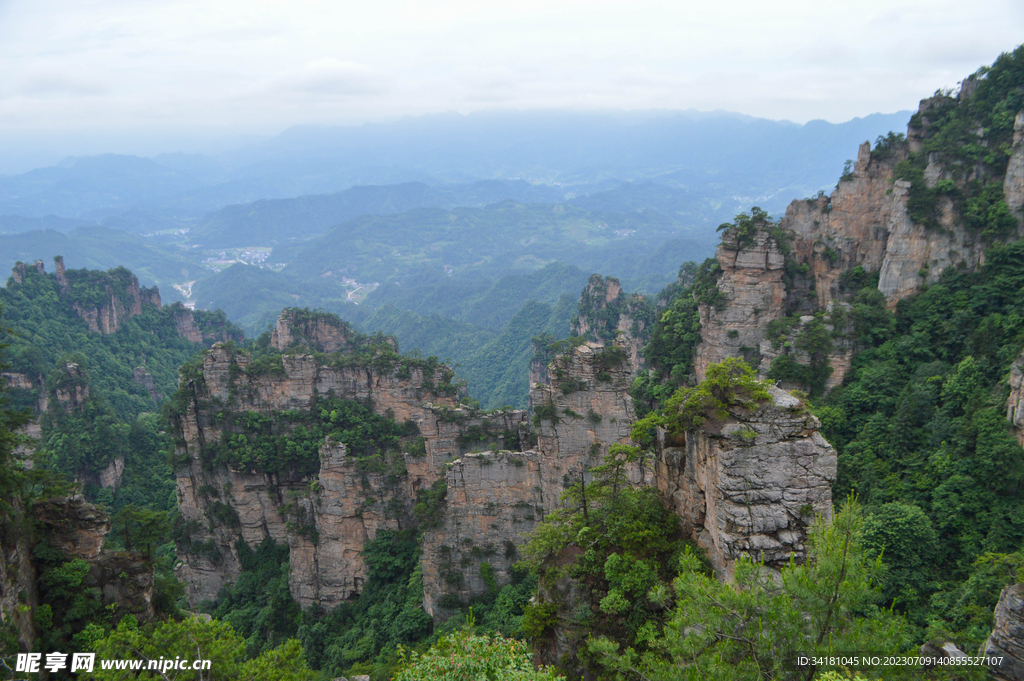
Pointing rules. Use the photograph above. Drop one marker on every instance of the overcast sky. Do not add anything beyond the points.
(163, 69)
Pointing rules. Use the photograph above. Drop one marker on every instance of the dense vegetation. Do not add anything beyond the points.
(755, 626)
(102, 413)
(669, 353)
(930, 489)
(920, 425)
(619, 546)
(973, 162)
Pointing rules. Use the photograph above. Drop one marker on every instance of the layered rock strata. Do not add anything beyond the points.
(494, 500)
(328, 518)
(752, 294)
(1007, 638)
(797, 265)
(1015, 401)
(739, 493)
(606, 313)
(751, 485)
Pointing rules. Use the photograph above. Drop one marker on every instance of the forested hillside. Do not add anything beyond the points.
(920, 419)
(808, 445)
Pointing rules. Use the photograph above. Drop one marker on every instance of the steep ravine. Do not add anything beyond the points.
(502, 476)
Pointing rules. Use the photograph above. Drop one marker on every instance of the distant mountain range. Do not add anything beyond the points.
(713, 156)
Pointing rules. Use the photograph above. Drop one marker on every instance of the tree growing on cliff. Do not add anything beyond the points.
(744, 228)
(729, 384)
(618, 546)
(756, 626)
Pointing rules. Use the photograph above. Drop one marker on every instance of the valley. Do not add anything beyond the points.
(353, 434)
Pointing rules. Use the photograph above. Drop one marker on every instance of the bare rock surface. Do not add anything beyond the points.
(1015, 401)
(752, 485)
(1013, 184)
(1007, 638)
(753, 294)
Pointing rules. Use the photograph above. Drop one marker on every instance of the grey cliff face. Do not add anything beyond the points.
(1007, 639)
(753, 486)
(736, 495)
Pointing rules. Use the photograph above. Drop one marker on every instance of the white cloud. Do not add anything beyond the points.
(257, 66)
(331, 78)
(50, 85)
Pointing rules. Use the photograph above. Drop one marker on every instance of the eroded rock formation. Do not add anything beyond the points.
(323, 333)
(801, 265)
(751, 485)
(500, 475)
(606, 313)
(752, 294)
(328, 517)
(1007, 638)
(77, 530)
(1015, 402)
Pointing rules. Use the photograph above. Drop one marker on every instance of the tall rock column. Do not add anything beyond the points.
(752, 294)
(1015, 402)
(751, 485)
(1013, 183)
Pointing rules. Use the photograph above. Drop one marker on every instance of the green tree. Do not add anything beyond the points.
(196, 639)
(730, 383)
(618, 546)
(903, 535)
(141, 529)
(463, 656)
(755, 626)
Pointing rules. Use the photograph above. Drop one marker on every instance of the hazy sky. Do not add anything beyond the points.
(165, 68)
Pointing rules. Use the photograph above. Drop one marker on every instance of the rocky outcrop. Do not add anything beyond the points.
(62, 277)
(1007, 638)
(14, 380)
(605, 313)
(328, 517)
(18, 592)
(748, 488)
(751, 485)
(200, 326)
(1013, 184)
(79, 529)
(494, 499)
(916, 255)
(71, 387)
(185, 323)
(318, 331)
(798, 265)
(583, 410)
(121, 296)
(752, 294)
(501, 479)
(125, 579)
(76, 527)
(143, 378)
(1015, 402)
(110, 477)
